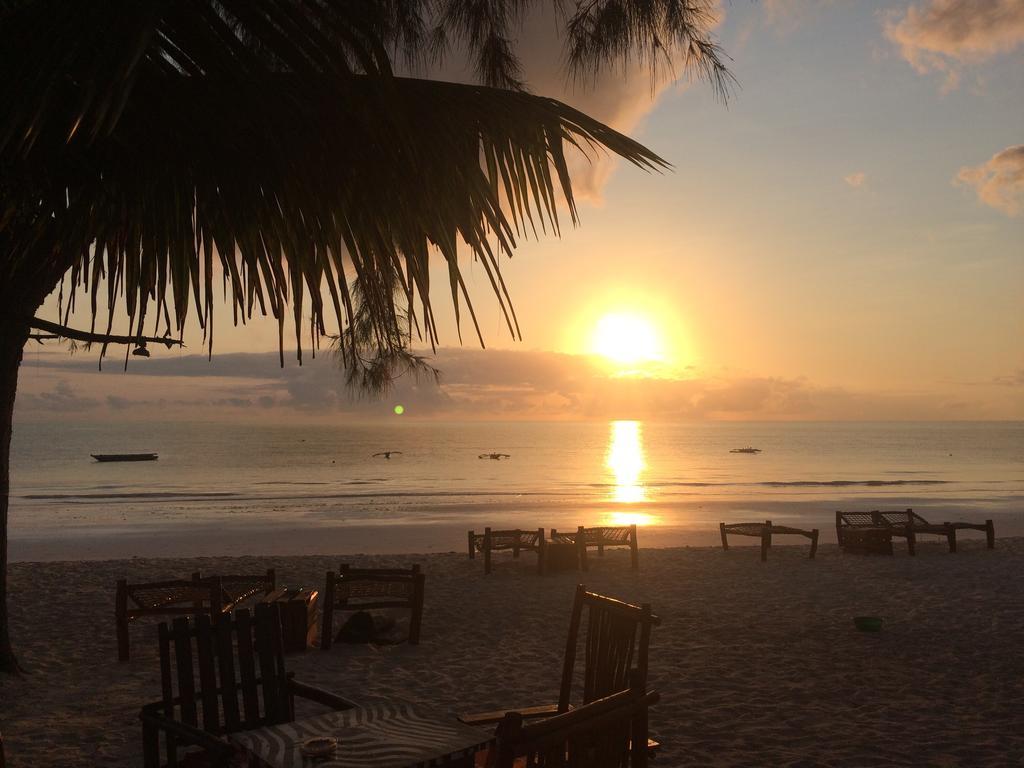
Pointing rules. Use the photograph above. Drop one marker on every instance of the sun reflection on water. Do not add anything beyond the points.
(626, 461)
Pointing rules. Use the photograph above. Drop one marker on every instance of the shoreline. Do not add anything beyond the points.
(757, 663)
(298, 531)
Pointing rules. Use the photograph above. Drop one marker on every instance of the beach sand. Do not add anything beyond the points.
(757, 663)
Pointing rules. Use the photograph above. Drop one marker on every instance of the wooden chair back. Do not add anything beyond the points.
(364, 589)
(226, 676)
(616, 641)
(610, 732)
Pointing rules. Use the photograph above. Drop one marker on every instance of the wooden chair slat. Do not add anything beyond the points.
(229, 686)
(166, 687)
(272, 685)
(186, 679)
(207, 673)
(247, 669)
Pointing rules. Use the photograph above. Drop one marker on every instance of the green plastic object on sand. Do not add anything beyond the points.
(868, 623)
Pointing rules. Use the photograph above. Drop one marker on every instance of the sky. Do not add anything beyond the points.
(843, 239)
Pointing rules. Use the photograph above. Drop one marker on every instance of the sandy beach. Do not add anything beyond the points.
(757, 663)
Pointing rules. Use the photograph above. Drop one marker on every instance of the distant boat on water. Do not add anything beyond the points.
(745, 450)
(124, 456)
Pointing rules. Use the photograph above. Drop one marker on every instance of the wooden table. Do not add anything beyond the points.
(379, 734)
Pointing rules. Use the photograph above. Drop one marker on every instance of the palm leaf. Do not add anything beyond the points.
(159, 148)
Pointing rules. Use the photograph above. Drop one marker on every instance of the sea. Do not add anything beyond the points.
(677, 481)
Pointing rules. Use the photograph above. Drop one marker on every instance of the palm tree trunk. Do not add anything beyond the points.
(12, 342)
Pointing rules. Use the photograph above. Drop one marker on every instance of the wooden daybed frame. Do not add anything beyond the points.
(764, 531)
(905, 523)
(212, 595)
(514, 539)
(365, 589)
(600, 537)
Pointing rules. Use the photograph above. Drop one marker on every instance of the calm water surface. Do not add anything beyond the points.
(622, 471)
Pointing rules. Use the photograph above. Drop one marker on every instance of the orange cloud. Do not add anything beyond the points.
(942, 35)
(999, 182)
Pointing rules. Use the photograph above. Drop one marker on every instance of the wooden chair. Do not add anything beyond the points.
(616, 644)
(610, 732)
(764, 532)
(365, 589)
(242, 684)
(515, 540)
(599, 538)
(214, 595)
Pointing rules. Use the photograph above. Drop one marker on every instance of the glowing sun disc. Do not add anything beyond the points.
(626, 338)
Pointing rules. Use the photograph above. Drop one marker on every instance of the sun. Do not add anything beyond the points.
(627, 338)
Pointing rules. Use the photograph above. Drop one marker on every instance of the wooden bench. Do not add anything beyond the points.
(514, 540)
(212, 595)
(764, 531)
(905, 523)
(599, 538)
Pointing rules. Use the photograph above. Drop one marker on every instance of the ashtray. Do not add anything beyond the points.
(318, 746)
(868, 623)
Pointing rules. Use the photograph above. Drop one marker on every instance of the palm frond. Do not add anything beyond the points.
(161, 148)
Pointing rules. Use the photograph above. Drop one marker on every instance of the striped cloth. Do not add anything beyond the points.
(380, 734)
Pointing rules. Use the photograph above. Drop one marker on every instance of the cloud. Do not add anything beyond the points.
(942, 35)
(620, 96)
(856, 179)
(476, 385)
(999, 182)
(63, 399)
